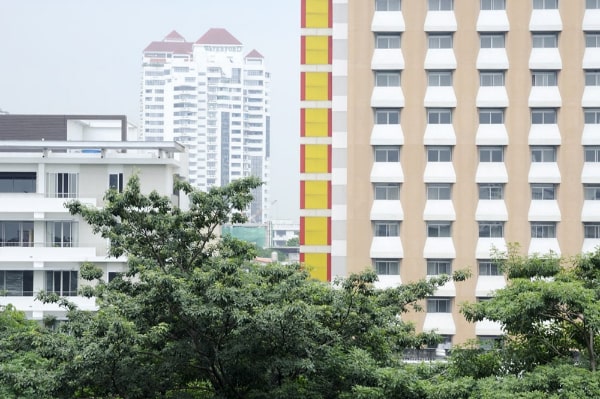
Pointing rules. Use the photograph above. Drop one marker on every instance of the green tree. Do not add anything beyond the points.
(293, 242)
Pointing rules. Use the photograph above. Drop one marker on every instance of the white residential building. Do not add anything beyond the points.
(214, 99)
(48, 160)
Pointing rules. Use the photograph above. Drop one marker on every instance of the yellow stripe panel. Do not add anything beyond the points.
(316, 194)
(315, 231)
(317, 86)
(317, 13)
(316, 158)
(316, 122)
(317, 50)
(316, 265)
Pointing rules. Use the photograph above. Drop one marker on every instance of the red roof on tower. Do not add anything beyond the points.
(170, 47)
(218, 36)
(254, 54)
(174, 36)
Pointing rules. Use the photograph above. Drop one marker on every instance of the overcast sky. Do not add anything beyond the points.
(84, 56)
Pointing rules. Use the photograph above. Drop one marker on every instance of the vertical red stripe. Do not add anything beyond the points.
(329, 85)
(330, 12)
(302, 122)
(329, 194)
(329, 266)
(301, 257)
(329, 158)
(302, 194)
(303, 13)
(328, 231)
(303, 50)
(302, 85)
(302, 158)
(329, 122)
(302, 229)
(329, 50)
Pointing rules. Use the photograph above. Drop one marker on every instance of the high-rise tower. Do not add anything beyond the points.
(213, 98)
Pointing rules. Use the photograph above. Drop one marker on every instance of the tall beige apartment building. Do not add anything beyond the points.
(433, 131)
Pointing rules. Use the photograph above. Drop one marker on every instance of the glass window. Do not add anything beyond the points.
(436, 267)
(439, 305)
(62, 185)
(543, 116)
(115, 181)
(439, 78)
(440, 5)
(543, 230)
(438, 191)
(16, 233)
(592, 77)
(387, 5)
(491, 78)
(491, 116)
(544, 40)
(491, 154)
(440, 40)
(387, 266)
(591, 230)
(438, 116)
(387, 154)
(493, 4)
(543, 154)
(592, 4)
(489, 268)
(438, 229)
(62, 282)
(592, 40)
(17, 182)
(491, 40)
(387, 229)
(592, 154)
(591, 192)
(491, 191)
(439, 154)
(591, 115)
(543, 191)
(491, 229)
(387, 191)
(16, 282)
(544, 78)
(387, 79)
(387, 116)
(61, 234)
(545, 4)
(387, 40)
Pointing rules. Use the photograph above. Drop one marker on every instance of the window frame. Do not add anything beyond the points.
(438, 305)
(440, 41)
(543, 191)
(115, 181)
(439, 229)
(487, 267)
(439, 151)
(437, 78)
(490, 40)
(386, 228)
(492, 77)
(389, 78)
(436, 191)
(545, 4)
(388, 5)
(592, 39)
(55, 281)
(391, 116)
(492, 5)
(541, 78)
(592, 76)
(386, 154)
(592, 150)
(61, 233)
(491, 116)
(386, 191)
(386, 267)
(490, 154)
(543, 229)
(544, 116)
(390, 39)
(17, 233)
(490, 188)
(544, 40)
(440, 5)
(438, 267)
(439, 116)
(490, 229)
(591, 227)
(591, 116)
(591, 192)
(544, 152)
(26, 281)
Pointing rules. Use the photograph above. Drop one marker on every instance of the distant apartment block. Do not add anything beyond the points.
(214, 98)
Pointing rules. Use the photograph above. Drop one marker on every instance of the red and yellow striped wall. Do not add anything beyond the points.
(315, 137)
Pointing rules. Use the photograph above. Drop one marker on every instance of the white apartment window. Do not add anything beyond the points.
(17, 182)
(491, 154)
(436, 267)
(592, 40)
(543, 116)
(387, 229)
(543, 154)
(592, 154)
(115, 182)
(543, 229)
(491, 78)
(387, 79)
(16, 282)
(489, 268)
(62, 185)
(591, 192)
(387, 116)
(592, 4)
(62, 282)
(543, 191)
(592, 78)
(491, 191)
(387, 266)
(439, 191)
(441, 5)
(438, 229)
(493, 229)
(387, 40)
(439, 305)
(544, 78)
(387, 191)
(16, 233)
(591, 230)
(439, 116)
(439, 154)
(61, 234)
(493, 4)
(544, 40)
(387, 154)
(491, 116)
(439, 78)
(440, 40)
(387, 5)
(491, 40)
(545, 4)
(592, 116)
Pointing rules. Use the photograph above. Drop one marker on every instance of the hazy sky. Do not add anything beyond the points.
(84, 56)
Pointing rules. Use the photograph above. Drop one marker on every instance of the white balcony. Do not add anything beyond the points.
(545, 58)
(440, 59)
(590, 173)
(491, 172)
(590, 245)
(386, 247)
(388, 58)
(492, 58)
(386, 210)
(486, 285)
(488, 328)
(446, 290)
(491, 134)
(544, 172)
(544, 96)
(439, 247)
(591, 58)
(387, 135)
(387, 97)
(388, 281)
(491, 210)
(591, 96)
(544, 211)
(591, 20)
(543, 246)
(440, 21)
(487, 245)
(387, 172)
(439, 210)
(442, 323)
(590, 211)
(591, 134)
(38, 203)
(440, 96)
(545, 21)
(47, 254)
(439, 134)
(492, 97)
(387, 21)
(547, 134)
(30, 304)
(439, 172)
(492, 21)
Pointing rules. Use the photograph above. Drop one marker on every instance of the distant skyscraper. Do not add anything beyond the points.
(215, 100)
